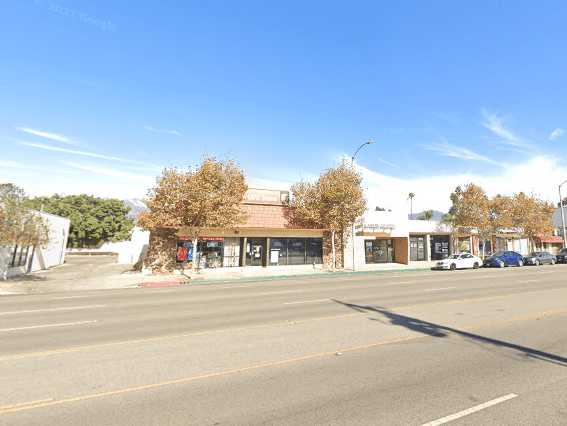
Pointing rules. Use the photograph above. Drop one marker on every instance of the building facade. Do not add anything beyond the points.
(18, 260)
(266, 239)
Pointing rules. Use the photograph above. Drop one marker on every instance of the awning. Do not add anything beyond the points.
(550, 239)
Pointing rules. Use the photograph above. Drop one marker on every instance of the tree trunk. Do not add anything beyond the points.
(195, 256)
(333, 250)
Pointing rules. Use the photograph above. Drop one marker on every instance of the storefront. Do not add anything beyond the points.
(440, 246)
(418, 248)
(266, 239)
(379, 251)
(296, 251)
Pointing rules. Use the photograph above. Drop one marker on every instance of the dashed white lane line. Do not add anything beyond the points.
(306, 301)
(439, 289)
(529, 281)
(67, 308)
(61, 324)
(68, 297)
(471, 410)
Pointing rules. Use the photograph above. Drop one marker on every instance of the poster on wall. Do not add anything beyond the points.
(274, 256)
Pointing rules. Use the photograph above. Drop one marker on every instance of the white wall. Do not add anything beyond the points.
(129, 252)
(52, 254)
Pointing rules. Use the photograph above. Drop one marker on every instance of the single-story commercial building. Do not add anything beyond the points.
(380, 237)
(18, 260)
(266, 239)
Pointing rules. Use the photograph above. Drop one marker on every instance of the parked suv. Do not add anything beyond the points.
(562, 256)
(504, 258)
(539, 258)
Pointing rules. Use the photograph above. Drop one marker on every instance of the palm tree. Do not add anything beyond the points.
(426, 215)
(411, 196)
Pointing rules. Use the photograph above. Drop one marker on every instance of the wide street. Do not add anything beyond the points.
(411, 348)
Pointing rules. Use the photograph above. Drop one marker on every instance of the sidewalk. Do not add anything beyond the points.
(101, 272)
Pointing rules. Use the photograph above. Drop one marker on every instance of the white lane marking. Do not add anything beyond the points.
(529, 281)
(238, 286)
(68, 297)
(269, 293)
(61, 324)
(471, 410)
(439, 289)
(68, 308)
(306, 301)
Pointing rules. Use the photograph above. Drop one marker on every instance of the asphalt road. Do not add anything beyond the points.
(412, 348)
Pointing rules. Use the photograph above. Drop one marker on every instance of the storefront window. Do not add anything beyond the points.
(314, 251)
(209, 252)
(379, 251)
(296, 251)
(278, 251)
(439, 247)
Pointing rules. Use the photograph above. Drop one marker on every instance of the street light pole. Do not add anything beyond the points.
(562, 214)
(368, 142)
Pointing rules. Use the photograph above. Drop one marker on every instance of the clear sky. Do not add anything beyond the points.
(97, 96)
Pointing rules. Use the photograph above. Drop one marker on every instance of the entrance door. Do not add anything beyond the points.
(255, 251)
(417, 249)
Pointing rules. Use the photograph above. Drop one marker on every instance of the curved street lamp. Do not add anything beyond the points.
(562, 214)
(368, 142)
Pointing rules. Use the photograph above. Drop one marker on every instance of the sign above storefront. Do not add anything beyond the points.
(187, 238)
(370, 227)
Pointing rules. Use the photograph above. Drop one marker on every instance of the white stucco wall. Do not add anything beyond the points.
(52, 254)
(129, 252)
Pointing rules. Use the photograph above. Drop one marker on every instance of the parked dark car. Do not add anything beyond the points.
(562, 256)
(540, 258)
(504, 258)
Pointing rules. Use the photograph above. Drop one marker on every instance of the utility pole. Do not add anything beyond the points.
(368, 142)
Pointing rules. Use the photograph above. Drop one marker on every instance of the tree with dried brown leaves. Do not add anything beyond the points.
(532, 215)
(208, 196)
(470, 210)
(333, 202)
(19, 225)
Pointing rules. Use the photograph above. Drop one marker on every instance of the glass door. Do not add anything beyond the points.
(255, 251)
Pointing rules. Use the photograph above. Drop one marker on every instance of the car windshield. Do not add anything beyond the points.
(563, 251)
(498, 253)
(454, 256)
(535, 254)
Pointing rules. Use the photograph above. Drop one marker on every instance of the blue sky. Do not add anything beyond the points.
(98, 96)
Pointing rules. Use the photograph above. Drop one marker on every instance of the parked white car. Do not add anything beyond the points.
(459, 261)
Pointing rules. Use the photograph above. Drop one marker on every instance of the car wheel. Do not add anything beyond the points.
(520, 263)
(537, 263)
(453, 266)
(476, 265)
(501, 264)
(553, 261)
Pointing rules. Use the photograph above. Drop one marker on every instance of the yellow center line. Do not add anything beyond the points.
(24, 404)
(51, 402)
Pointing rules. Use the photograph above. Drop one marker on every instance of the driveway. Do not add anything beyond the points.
(79, 272)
